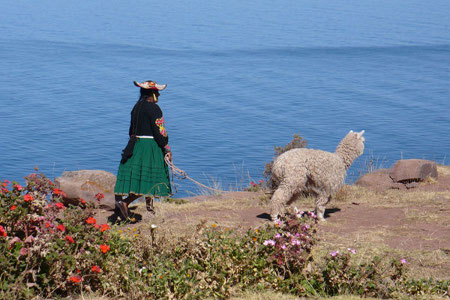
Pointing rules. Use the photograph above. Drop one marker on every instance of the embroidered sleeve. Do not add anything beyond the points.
(159, 130)
(160, 123)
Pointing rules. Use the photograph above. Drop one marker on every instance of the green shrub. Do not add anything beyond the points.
(297, 142)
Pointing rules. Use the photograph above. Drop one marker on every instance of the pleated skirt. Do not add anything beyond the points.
(145, 173)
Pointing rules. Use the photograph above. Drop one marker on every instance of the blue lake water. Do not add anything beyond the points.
(243, 76)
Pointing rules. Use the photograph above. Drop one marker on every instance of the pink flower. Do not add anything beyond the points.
(295, 242)
(353, 251)
(334, 253)
(304, 227)
(269, 242)
(403, 261)
(252, 183)
(277, 236)
(23, 251)
(283, 247)
(17, 187)
(261, 181)
(312, 214)
(14, 240)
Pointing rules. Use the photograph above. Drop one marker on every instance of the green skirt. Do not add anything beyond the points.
(145, 173)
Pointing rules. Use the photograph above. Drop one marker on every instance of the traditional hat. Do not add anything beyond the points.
(150, 85)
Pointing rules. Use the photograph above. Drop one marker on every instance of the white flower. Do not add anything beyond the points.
(154, 226)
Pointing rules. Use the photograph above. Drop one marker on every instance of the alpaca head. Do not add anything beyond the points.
(351, 146)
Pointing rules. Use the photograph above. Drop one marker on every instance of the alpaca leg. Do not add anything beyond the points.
(278, 202)
(321, 201)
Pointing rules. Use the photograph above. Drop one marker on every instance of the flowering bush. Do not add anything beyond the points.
(44, 247)
(255, 187)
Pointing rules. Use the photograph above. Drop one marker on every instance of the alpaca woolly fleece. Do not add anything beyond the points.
(316, 172)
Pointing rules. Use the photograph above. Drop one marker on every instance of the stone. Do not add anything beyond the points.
(411, 185)
(409, 170)
(86, 184)
(398, 186)
(378, 180)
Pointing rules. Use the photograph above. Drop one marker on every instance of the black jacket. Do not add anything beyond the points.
(147, 119)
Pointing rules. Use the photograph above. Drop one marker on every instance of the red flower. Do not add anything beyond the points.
(70, 239)
(28, 198)
(76, 279)
(82, 201)
(2, 231)
(97, 226)
(4, 190)
(18, 187)
(60, 205)
(57, 191)
(91, 220)
(99, 196)
(5, 184)
(13, 207)
(61, 227)
(252, 183)
(261, 181)
(96, 269)
(104, 248)
(47, 225)
(104, 227)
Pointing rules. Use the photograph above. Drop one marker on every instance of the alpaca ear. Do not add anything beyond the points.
(360, 133)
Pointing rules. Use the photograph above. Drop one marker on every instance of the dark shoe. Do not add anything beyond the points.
(122, 210)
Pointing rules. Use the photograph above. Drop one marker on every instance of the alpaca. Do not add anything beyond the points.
(315, 172)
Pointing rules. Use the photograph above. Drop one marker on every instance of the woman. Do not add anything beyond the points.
(142, 170)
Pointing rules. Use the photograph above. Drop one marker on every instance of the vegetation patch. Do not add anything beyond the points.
(50, 250)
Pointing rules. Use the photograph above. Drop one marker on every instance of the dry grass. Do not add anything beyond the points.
(443, 170)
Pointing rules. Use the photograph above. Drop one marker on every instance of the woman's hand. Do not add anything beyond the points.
(169, 156)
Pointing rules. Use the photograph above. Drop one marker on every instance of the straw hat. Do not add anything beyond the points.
(150, 85)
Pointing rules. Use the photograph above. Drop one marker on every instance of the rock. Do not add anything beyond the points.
(411, 185)
(378, 180)
(409, 170)
(398, 186)
(86, 184)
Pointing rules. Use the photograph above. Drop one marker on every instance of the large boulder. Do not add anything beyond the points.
(378, 180)
(86, 184)
(413, 170)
